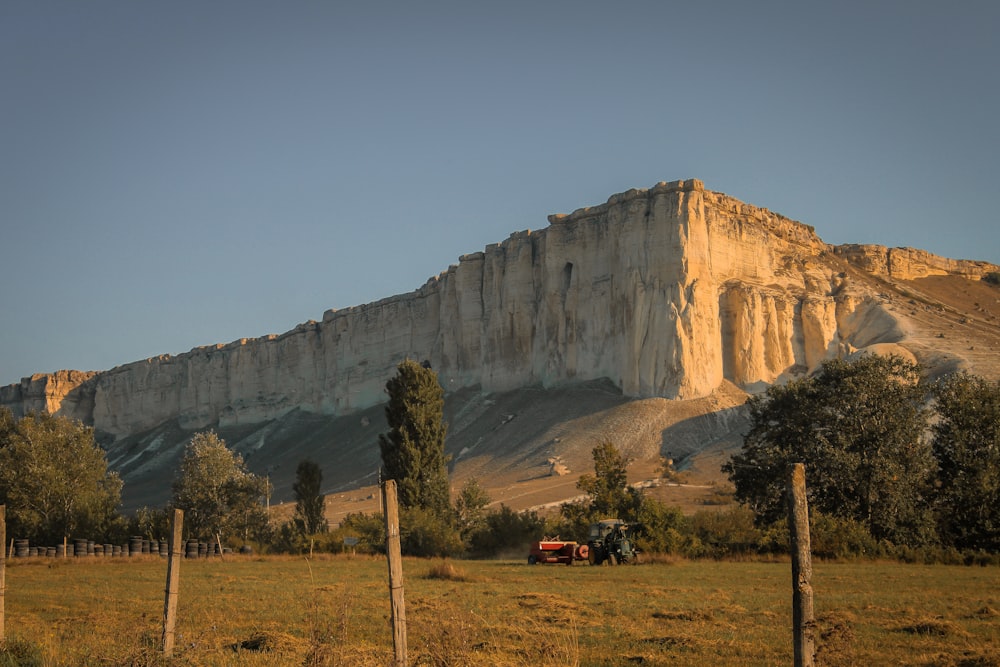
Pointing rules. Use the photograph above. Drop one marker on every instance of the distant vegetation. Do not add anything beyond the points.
(896, 468)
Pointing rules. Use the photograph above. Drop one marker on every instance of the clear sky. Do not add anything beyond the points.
(176, 174)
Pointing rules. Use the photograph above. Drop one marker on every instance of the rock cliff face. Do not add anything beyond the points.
(667, 292)
(910, 263)
(68, 393)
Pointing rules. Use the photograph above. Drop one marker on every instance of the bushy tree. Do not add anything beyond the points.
(54, 479)
(368, 529)
(967, 448)
(662, 527)
(413, 449)
(423, 533)
(219, 496)
(470, 509)
(309, 502)
(610, 494)
(506, 533)
(859, 426)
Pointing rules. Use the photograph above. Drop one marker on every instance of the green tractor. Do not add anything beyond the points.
(610, 540)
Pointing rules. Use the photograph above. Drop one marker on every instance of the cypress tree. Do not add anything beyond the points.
(308, 499)
(413, 448)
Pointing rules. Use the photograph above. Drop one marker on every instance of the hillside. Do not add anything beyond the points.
(646, 320)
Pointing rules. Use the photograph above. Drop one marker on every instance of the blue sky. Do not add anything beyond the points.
(178, 174)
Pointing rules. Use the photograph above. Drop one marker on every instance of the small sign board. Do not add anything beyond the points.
(350, 541)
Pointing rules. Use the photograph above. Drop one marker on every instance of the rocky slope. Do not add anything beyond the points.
(658, 308)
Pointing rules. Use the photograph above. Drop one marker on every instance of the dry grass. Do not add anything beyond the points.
(446, 571)
(334, 611)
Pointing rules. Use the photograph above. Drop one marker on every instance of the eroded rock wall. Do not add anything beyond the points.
(910, 263)
(665, 291)
(70, 393)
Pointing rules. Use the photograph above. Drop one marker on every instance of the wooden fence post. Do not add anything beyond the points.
(394, 553)
(173, 583)
(3, 568)
(803, 624)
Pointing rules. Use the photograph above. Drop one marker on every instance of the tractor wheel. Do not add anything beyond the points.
(532, 560)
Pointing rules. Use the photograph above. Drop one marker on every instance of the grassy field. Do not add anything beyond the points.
(334, 611)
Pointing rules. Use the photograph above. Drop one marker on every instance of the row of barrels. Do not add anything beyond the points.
(136, 546)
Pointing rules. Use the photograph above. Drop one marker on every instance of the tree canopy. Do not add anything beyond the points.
(219, 496)
(54, 479)
(610, 494)
(859, 426)
(966, 445)
(413, 448)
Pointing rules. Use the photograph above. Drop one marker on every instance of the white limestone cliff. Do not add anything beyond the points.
(666, 291)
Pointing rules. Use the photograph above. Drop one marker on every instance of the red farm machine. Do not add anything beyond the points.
(554, 550)
(609, 541)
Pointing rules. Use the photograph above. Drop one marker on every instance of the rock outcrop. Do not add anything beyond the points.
(667, 292)
(910, 263)
(68, 393)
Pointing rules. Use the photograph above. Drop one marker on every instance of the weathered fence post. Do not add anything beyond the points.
(395, 571)
(803, 626)
(3, 567)
(173, 581)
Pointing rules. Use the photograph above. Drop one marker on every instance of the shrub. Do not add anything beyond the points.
(839, 537)
(423, 532)
(727, 532)
(506, 533)
(369, 529)
(993, 278)
(288, 539)
(662, 528)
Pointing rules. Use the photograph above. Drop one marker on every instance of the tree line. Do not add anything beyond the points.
(896, 465)
(905, 461)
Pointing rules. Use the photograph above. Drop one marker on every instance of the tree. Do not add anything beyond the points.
(859, 427)
(54, 479)
(309, 502)
(967, 448)
(470, 509)
(413, 449)
(610, 494)
(219, 496)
